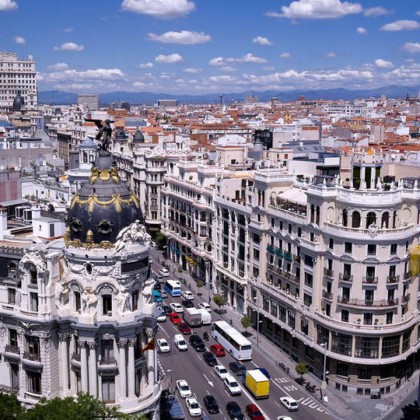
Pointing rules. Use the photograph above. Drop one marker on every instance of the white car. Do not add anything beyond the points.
(183, 388)
(284, 418)
(176, 307)
(289, 403)
(232, 385)
(163, 345)
(193, 407)
(161, 317)
(221, 371)
(180, 342)
(204, 305)
(164, 272)
(186, 294)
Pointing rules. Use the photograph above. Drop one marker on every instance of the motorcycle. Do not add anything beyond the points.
(206, 336)
(310, 388)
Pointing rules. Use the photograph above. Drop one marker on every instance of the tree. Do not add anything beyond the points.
(246, 322)
(199, 283)
(160, 240)
(219, 300)
(10, 408)
(301, 369)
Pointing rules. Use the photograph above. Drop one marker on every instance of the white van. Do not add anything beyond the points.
(180, 342)
(205, 316)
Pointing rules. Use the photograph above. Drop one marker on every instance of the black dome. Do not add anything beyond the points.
(101, 208)
(120, 135)
(138, 137)
(18, 102)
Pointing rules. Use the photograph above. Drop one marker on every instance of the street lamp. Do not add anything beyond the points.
(324, 371)
(255, 299)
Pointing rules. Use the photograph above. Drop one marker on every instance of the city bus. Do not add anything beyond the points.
(173, 287)
(232, 340)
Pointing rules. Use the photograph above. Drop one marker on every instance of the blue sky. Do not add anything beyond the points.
(215, 46)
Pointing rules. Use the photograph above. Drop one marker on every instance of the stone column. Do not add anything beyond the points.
(93, 373)
(64, 362)
(84, 367)
(150, 364)
(122, 344)
(131, 368)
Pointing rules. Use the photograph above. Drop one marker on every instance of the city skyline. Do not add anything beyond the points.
(194, 47)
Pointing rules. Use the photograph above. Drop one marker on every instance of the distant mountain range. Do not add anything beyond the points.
(55, 97)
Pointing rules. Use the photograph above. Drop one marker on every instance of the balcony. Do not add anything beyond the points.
(367, 302)
(12, 352)
(370, 280)
(346, 277)
(107, 364)
(328, 296)
(392, 279)
(328, 272)
(407, 277)
(32, 359)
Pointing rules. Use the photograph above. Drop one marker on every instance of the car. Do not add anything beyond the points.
(289, 403)
(194, 407)
(187, 303)
(180, 342)
(164, 294)
(184, 328)
(164, 272)
(211, 404)
(234, 411)
(187, 294)
(232, 385)
(209, 358)
(159, 278)
(166, 309)
(204, 305)
(163, 345)
(221, 371)
(237, 367)
(174, 318)
(253, 412)
(176, 307)
(156, 296)
(217, 350)
(161, 317)
(157, 286)
(197, 343)
(183, 388)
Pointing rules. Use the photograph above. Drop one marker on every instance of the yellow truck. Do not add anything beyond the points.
(257, 383)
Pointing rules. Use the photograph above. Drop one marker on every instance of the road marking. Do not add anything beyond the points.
(290, 388)
(161, 328)
(282, 380)
(311, 403)
(208, 380)
(254, 364)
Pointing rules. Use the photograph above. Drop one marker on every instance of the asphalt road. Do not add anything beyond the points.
(190, 366)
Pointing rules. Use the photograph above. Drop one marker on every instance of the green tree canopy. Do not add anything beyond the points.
(219, 300)
(246, 322)
(301, 369)
(160, 240)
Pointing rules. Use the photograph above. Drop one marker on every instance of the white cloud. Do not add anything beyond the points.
(411, 47)
(19, 39)
(261, 40)
(227, 69)
(383, 64)
(71, 75)
(316, 9)
(164, 9)
(247, 58)
(285, 55)
(58, 66)
(376, 11)
(182, 37)
(146, 65)
(360, 30)
(168, 59)
(330, 54)
(192, 70)
(6, 5)
(223, 79)
(401, 25)
(69, 46)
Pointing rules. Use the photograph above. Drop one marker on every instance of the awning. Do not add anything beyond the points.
(294, 195)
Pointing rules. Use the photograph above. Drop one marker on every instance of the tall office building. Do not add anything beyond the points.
(17, 76)
(88, 100)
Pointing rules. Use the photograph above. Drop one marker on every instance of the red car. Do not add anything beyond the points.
(174, 318)
(253, 412)
(217, 350)
(184, 328)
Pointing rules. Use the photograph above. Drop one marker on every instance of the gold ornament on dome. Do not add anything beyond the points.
(115, 199)
(104, 175)
(89, 244)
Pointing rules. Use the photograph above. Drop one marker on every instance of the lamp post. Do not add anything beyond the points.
(255, 299)
(324, 371)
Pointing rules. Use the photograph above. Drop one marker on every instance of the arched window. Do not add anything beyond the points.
(370, 219)
(394, 219)
(385, 220)
(312, 213)
(345, 217)
(318, 214)
(355, 220)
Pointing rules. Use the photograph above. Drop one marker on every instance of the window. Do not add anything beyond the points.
(107, 349)
(367, 319)
(369, 296)
(107, 304)
(370, 274)
(33, 302)
(389, 317)
(331, 243)
(348, 247)
(14, 375)
(345, 315)
(371, 249)
(135, 300)
(345, 217)
(34, 382)
(13, 338)
(370, 219)
(108, 389)
(77, 301)
(299, 232)
(355, 222)
(307, 299)
(11, 296)
(312, 237)
(393, 249)
(308, 280)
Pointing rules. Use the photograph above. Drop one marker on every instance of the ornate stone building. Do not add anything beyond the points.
(78, 316)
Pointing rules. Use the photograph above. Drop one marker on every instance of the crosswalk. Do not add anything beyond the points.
(285, 384)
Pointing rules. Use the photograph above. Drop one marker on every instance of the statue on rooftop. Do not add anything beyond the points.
(104, 133)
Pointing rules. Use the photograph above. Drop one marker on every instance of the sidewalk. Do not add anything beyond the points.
(341, 405)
